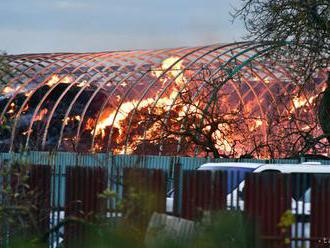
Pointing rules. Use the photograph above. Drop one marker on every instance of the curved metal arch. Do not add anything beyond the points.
(85, 110)
(44, 137)
(287, 74)
(190, 79)
(255, 93)
(39, 104)
(196, 94)
(194, 97)
(80, 92)
(225, 54)
(94, 57)
(89, 102)
(73, 102)
(17, 66)
(114, 90)
(25, 102)
(17, 91)
(50, 90)
(284, 72)
(69, 110)
(150, 85)
(76, 80)
(35, 65)
(26, 83)
(147, 89)
(105, 103)
(265, 84)
(239, 67)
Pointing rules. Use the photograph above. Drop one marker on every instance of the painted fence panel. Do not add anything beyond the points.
(25, 198)
(320, 211)
(267, 198)
(39, 182)
(202, 191)
(144, 193)
(83, 187)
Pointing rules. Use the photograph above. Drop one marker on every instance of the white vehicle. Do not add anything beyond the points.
(306, 167)
(238, 169)
(241, 168)
(236, 172)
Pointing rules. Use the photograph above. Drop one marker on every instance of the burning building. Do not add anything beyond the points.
(227, 99)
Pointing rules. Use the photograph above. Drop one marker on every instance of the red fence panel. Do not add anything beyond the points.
(320, 211)
(202, 192)
(267, 197)
(144, 192)
(30, 193)
(39, 182)
(83, 186)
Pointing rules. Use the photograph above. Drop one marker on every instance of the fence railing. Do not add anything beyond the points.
(64, 192)
(148, 161)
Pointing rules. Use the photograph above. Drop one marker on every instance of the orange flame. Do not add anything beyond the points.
(176, 71)
(255, 124)
(41, 115)
(56, 79)
(12, 108)
(300, 102)
(110, 117)
(68, 119)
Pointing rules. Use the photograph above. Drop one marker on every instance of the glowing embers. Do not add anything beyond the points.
(114, 117)
(41, 115)
(71, 119)
(255, 123)
(12, 108)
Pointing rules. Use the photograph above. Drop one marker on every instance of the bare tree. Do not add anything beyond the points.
(205, 118)
(304, 26)
(199, 120)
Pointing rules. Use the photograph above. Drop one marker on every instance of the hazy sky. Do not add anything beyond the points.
(31, 26)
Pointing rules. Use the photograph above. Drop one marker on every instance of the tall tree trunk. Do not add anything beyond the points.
(324, 110)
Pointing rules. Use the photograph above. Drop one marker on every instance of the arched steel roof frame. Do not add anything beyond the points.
(101, 71)
(43, 99)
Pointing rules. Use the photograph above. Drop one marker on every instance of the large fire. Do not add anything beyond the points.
(114, 118)
(161, 120)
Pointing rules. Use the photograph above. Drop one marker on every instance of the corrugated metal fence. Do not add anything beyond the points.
(109, 160)
(68, 186)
